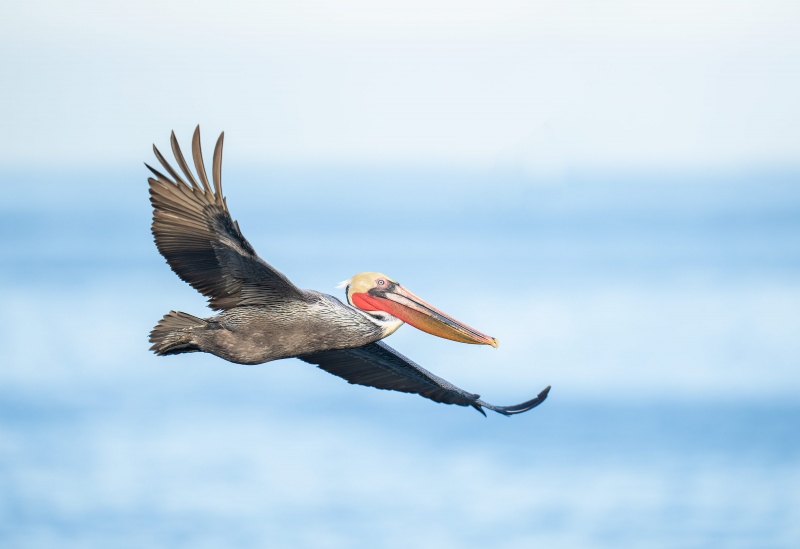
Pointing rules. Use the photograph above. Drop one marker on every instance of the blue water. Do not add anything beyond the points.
(664, 311)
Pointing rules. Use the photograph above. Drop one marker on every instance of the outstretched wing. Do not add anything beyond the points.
(378, 365)
(194, 231)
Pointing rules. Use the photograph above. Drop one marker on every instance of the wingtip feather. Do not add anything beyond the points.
(197, 155)
(216, 167)
(518, 408)
(159, 176)
(176, 151)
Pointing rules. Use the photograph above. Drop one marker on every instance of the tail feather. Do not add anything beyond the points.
(174, 334)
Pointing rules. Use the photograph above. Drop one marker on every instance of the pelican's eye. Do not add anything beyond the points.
(381, 282)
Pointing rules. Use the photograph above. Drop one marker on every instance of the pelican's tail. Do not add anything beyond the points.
(174, 334)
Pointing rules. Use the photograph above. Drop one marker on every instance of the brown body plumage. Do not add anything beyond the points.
(254, 334)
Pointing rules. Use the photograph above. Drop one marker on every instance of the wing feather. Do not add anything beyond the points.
(194, 231)
(197, 155)
(378, 365)
(216, 167)
(166, 166)
(176, 151)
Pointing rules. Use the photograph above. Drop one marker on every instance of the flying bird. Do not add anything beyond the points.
(263, 316)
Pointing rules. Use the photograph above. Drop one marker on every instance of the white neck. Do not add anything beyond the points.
(388, 323)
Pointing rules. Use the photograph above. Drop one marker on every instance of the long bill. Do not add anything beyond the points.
(406, 306)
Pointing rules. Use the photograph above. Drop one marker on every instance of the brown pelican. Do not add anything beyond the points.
(263, 316)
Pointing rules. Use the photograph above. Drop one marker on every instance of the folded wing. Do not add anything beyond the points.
(378, 365)
(194, 231)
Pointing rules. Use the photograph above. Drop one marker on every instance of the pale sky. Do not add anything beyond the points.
(613, 85)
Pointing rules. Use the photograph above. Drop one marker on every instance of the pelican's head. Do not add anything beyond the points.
(377, 293)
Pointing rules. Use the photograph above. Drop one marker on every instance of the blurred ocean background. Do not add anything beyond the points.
(613, 191)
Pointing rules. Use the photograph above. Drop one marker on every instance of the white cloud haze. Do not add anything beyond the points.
(540, 84)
